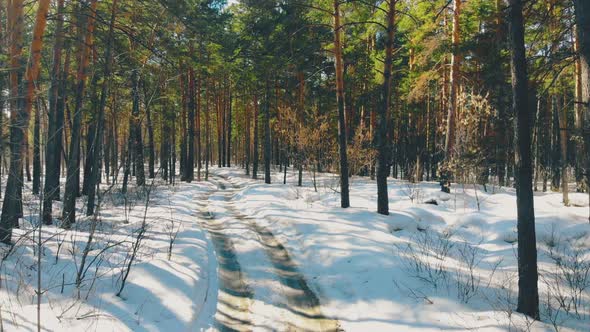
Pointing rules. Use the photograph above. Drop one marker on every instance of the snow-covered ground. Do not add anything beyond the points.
(162, 292)
(425, 267)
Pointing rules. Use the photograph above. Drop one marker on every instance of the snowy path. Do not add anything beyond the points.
(260, 287)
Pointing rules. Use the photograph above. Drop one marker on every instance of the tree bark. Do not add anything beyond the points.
(528, 293)
(190, 158)
(136, 131)
(339, 66)
(11, 208)
(255, 153)
(454, 81)
(99, 127)
(267, 146)
(382, 130)
(72, 184)
(582, 8)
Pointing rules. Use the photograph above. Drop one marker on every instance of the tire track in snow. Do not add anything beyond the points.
(234, 296)
(303, 303)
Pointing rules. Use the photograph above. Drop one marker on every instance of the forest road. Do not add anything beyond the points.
(260, 287)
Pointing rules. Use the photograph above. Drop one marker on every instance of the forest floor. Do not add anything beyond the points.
(250, 256)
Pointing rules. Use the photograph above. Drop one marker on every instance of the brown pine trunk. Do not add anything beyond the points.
(582, 8)
(381, 138)
(94, 178)
(454, 81)
(255, 153)
(72, 185)
(11, 208)
(564, 139)
(578, 115)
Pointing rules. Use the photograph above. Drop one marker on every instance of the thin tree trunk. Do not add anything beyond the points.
(136, 130)
(255, 153)
(190, 158)
(267, 144)
(229, 127)
(37, 150)
(98, 137)
(339, 66)
(563, 130)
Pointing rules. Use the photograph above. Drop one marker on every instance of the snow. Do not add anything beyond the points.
(360, 265)
(425, 267)
(160, 294)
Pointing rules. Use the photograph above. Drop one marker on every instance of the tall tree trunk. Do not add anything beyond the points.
(136, 131)
(382, 130)
(563, 130)
(267, 146)
(72, 184)
(97, 140)
(151, 143)
(190, 158)
(255, 153)
(229, 126)
(582, 8)
(207, 130)
(11, 208)
(578, 115)
(528, 293)
(248, 134)
(198, 127)
(37, 150)
(454, 81)
(339, 66)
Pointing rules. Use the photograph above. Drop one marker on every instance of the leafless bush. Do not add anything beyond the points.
(568, 282)
(172, 229)
(425, 258)
(468, 284)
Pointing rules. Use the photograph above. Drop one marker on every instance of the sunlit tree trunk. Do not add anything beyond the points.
(98, 134)
(582, 8)
(11, 208)
(72, 185)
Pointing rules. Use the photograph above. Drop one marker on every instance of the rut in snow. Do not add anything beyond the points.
(302, 302)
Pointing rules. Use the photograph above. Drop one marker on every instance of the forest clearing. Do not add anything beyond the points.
(294, 165)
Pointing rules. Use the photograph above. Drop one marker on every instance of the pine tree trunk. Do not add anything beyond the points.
(198, 127)
(255, 153)
(136, 130)
(37, 151)
(454, 81)
(190, 157)
(563, 130)
(97, 139)
(248, 134)
(151, 144)
(582, 8)
(267, 144)
(12, 207)
(72, 181)
(381, 133)
(229, 127)
(528, 294)
(342, 141)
